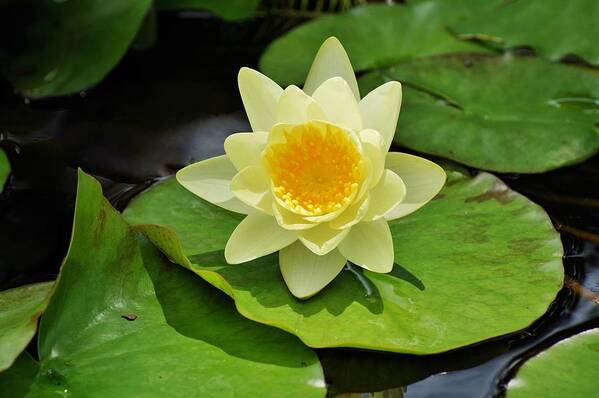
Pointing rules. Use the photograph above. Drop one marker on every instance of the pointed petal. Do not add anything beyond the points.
(330, 61)
(423, 179)
(210, 179)
(338, 103)
(260, 96)
(290, 220)
(352, 215)
(369, 245)
(380, 110)
(373, 147)
(322, 238)
(256, 236)
(245, 149)
(252, 187)
(385, 196)
(296, 107)
(306, 273)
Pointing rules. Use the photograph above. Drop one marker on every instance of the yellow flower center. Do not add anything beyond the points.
(316, 171)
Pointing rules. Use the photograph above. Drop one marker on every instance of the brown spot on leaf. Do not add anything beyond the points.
(129, 317)
(498, 192)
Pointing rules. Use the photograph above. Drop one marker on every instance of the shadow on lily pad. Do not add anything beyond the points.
(262, 280)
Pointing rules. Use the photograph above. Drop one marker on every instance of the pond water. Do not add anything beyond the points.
(175, 102)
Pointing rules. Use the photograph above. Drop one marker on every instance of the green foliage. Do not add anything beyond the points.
(477, 262)
(123, 322)
(374, 36)
(501, 113)
(4, 169)
(554, 28)
(71, 45)
(20, 309)
(568, 369)
(20, 376)
(229, 10)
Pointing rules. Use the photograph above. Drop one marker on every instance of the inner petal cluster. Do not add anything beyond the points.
(315, 170)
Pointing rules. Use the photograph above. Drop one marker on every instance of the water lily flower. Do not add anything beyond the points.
(315, 177)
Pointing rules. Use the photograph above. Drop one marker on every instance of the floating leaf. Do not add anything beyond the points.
(123, 322)
(555, 28)
(4, 169)
(20, 376)
(230, 10)
(501, 113)
(71, 45)
(374, 36)
(20, 309)
(477, 262)
(568, 369)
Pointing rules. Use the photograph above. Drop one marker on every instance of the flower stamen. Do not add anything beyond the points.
(316, 171)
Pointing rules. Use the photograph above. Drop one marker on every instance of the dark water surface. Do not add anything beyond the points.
(174, 103)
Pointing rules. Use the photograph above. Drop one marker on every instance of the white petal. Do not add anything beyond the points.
(290, 220)
(256, 236)
(338, 103)
(369, 245)
(210, 179)
(373, 147)
(380, 110)
(296, 107)
(330, 61)
(322, 238)
(385, 196)
(245, 149)
(252, 187)
(352, 215)
(423, 179)
(306, 273)
(260, 96)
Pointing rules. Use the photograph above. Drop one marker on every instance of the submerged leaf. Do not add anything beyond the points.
(230, 10)
(70, 45)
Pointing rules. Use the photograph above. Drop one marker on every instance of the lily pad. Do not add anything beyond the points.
(19, 377)
(500, 113)
(230, 10)
(477, 262)
(567, 369)
(552, 27)
(120, 311)
(71, 45)
(4, 169)
(20, 309)
(374, 36)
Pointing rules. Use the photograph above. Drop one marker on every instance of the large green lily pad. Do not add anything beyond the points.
(123, 322)
(555, 28)
(230, 10)
(501, 113)
(71, 45)
(477, 262)
(4, 169)
(20, 309)
(374, 36)
(568, 369)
